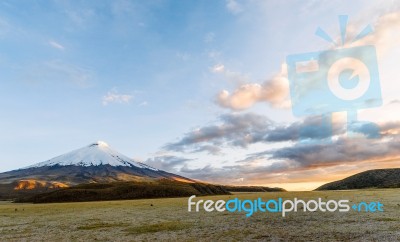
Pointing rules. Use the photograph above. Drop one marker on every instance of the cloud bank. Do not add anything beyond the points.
(307, 146)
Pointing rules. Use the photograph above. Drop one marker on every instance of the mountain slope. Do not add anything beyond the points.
(126, 190)
(95, 163)
(97, 172)
(381, 178)
(95, 154)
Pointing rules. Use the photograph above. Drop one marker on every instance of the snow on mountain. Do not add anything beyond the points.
(95, 154)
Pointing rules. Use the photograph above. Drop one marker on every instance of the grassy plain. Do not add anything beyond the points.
(167, 219)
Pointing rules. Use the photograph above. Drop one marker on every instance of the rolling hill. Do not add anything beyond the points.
(380, 178)
(125, 190)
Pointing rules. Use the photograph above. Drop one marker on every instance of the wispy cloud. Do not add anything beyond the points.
(114, 97)
(395, 101)
(218, 68)
(122, 7)
(143, 104)
(213, 54)
(167, 162)
(79, 17)
(385, 33)
(234, 77)
(56, 45)
(4, 27)
(59, 71)
(74, 73)
(209, 37)
(183, 56)
(233, 6)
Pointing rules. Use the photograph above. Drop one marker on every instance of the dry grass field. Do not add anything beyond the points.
(169, 220)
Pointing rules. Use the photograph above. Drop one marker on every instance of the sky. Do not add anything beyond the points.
(197, 88)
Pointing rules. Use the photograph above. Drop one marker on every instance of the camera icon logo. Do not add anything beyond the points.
(334, 81)
(341, 79)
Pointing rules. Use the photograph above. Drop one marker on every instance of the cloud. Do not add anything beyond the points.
(311, 151)
(242, 130)
(59, 71)
(114, 97)
(274, 91)
(282, 173)
(75, 74)
(79, 17)
(342, 151)
(304, 162)
(209, 37)
(234, 7)
(167, 162)
(311, 128)
(385, 33)
(144, 103)
(5, 27)
(121, 7)
(56, 45)
(232, 76)
(390, 128)
(219, 68)
(232, 129)
(210, 149)
(384, 36)
(395, 101)
(213, 54)
(183, 56)
(250, 172)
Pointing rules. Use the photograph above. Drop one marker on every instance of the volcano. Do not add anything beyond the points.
(95, 163)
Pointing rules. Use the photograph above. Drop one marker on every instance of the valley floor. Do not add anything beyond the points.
(169, 220)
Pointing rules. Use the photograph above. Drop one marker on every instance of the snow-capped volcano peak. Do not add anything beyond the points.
(100, 144)
(95, 154)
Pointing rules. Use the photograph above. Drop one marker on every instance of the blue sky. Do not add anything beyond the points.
(143, 75)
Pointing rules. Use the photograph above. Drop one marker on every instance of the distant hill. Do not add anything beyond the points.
(381, 178)
(253, 189)
(126, 190)
(137, 190)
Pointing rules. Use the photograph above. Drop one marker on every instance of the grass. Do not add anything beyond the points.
(169, 220)
(158, 227)
(100, 225)
(386, 219)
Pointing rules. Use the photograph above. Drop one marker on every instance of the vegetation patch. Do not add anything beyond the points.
(125, 191)
(158, 227)
(386, 219)
(100, 225)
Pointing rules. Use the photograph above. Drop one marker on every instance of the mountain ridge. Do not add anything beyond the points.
(378, 178)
